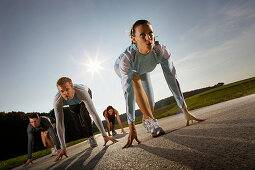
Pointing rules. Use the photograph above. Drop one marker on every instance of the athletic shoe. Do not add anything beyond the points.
(114, 133)
(155, 129)
(54, 151)
(146, 125)
(92, 141)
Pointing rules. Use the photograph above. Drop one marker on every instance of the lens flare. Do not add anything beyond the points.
(94, 66)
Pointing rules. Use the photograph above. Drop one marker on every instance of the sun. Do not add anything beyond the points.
(94, 66)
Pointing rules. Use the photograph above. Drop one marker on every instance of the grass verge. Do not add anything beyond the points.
(14, 162)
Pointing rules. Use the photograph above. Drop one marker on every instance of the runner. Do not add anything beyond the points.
(49, 137)
(109, 114)
(80, 103)
(133, 67)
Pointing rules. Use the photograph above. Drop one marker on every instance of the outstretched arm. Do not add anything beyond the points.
(118, 119)
(29, 145)
(59, 114)
(170, 76)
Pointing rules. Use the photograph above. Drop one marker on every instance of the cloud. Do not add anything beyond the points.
(229, 61)
(223, 24)
(239, 46)
(241, 9)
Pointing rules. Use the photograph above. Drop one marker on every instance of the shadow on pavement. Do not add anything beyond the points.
(71, 163)
(62, 165)
(179, 156)
(93, 162)
(79, 163)
(222, 147)
(118, 136)
(227, 146)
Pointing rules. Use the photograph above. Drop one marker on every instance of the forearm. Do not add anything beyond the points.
(29, 146)
(60, 126)
(60, 132)
(141, 98)
(59, 116)
(92, 111)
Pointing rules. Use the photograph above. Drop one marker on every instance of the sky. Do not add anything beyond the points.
(210, 41)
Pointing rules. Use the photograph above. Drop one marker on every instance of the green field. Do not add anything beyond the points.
(216, 95)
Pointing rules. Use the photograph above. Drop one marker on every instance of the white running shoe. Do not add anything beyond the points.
(54, 151)
(92, 141)
(146, 124)
(155, 129)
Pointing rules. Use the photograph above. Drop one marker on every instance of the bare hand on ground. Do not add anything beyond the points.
(107, 138)
(61, 153)
(28, 162)
(132, 135)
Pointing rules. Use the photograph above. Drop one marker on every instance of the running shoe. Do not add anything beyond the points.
(54, 151)
(92, 141)
(155, 129)
(146, 125)
(114, 133)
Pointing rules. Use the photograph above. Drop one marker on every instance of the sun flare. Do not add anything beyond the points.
(94, 66)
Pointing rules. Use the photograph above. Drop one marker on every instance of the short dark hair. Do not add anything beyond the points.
(33, 115)
(136, 24)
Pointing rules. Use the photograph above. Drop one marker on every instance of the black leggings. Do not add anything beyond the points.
(82, 119)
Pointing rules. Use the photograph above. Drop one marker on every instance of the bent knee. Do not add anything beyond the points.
(136, 78)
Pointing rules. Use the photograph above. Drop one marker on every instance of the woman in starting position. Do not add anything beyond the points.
(133, 67)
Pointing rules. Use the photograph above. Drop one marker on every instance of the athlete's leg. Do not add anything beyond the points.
(147, 86)
(87, 125)
(81, 117)
(47, 139)
(111, 126)
(43, 139)
(54, 137)
(151, 125)
(75, 109)
(141, 98)
(85, 118)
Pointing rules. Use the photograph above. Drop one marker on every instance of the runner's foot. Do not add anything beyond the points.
(92, 141)
(114, 133)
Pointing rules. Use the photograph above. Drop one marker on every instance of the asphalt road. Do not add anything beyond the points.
(226, 140)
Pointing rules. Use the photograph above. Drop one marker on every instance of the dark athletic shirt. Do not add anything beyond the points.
(45, 124)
